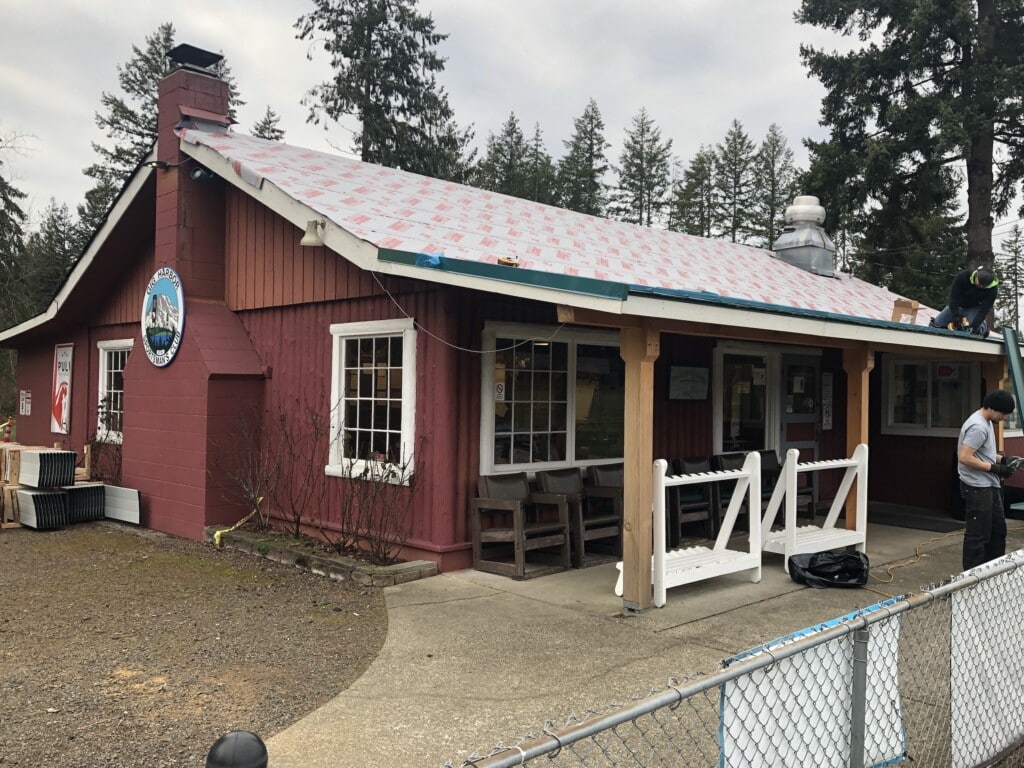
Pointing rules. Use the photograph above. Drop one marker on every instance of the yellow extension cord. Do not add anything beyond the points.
(217, 534)
(916, 557)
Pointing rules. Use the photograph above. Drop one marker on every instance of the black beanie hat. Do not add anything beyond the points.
(1000, 400)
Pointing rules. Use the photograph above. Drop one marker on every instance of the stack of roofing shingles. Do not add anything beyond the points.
(51, 498)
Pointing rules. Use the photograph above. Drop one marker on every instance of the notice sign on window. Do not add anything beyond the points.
(60, 410)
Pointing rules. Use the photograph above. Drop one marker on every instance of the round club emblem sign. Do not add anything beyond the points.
(163, 317)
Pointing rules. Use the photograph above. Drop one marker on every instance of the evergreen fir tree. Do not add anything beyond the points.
(49, 254)
(774, 185)
(383, 53)
(503, 166)
(93, 212)
(913, 242)
(691, 209)
(734, 184)
(1010, 267)
(931, 86)
(644, 180)
(267, 126)
(581, 172)
(539, 172)
(12, 222)
(129, 118)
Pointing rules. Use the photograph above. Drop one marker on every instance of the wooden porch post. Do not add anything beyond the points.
(639, 348)
(857, 362)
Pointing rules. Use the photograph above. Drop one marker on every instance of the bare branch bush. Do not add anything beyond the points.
(374, 508)
(302, 445)
(104, 449)
(251, 464)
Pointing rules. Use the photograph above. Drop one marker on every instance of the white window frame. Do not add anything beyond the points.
(339, 465)
(103, 348)
(889, 395)
(523, 332)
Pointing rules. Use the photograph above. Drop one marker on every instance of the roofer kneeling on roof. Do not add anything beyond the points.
(971, 296)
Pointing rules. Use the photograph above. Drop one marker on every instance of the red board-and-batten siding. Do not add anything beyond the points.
(117, 317)
(288, 296)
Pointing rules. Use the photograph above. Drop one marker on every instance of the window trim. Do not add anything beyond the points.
(889, 396)
(338, 465)
(524, 332)
(103, 435)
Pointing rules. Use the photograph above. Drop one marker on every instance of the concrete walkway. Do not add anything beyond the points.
(472, 659)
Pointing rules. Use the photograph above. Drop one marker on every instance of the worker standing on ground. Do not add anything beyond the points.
(981, 469)
(971, 296)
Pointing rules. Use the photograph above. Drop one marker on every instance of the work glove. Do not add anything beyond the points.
(1013, 462)
(1001, 470)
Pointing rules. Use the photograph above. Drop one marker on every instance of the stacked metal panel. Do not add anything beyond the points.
(47, 469)
(44, 509)
(85, 502)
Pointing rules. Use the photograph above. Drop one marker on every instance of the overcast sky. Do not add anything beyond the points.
(694, 64)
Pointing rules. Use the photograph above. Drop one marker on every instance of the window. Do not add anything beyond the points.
(1012, 425)
(928, 397)
(110, 408)
(373, 395)
(550, 399)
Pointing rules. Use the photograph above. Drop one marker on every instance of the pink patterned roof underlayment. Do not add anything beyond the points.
(407, 212)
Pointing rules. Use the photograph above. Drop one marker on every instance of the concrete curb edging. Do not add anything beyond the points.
(336, 567)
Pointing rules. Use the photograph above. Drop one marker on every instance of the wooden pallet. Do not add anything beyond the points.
(9, 515)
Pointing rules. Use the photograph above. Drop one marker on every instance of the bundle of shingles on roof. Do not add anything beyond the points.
(42, 485)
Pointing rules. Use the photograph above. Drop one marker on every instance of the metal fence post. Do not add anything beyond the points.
(237, 749)
(859, 701)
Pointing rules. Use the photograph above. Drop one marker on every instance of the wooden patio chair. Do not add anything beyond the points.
(771, 474)
(604, 498)
(589, 521)
(721, 461)
(692, 503)
(516, 532)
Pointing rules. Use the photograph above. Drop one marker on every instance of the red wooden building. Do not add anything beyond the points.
(492, 334)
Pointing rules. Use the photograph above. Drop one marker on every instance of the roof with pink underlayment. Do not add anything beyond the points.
(399, 211)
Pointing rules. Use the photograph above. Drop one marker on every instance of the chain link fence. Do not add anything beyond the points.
(936, 678)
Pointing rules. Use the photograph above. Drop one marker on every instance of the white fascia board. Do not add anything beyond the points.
(360, 252)
(130, 192)
(824, 328)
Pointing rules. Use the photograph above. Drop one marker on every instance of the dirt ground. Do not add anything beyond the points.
(121, 647)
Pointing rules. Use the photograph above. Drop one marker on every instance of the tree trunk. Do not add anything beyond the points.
(981, 129)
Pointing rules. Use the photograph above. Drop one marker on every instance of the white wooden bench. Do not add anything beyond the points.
(795, 539)
(690, 564)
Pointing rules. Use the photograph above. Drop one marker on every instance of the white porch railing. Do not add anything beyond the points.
(691, 564)
(800, 539)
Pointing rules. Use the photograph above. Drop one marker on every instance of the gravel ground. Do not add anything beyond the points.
(121, 647)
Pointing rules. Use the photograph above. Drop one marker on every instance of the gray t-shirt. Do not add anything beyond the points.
(977, 432)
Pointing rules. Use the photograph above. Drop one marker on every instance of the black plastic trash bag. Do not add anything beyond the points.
(830, 569)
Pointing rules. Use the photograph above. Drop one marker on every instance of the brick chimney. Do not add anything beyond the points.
(173, 445)
(189, 211)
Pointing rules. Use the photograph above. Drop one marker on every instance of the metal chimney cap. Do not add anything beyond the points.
(186, 55)
(805, 208)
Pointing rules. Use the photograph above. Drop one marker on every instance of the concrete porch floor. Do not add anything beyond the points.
(473, 659)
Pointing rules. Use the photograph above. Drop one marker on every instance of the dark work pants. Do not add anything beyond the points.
(985, 535)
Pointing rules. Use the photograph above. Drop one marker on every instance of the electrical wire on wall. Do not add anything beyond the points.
(451, 345)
